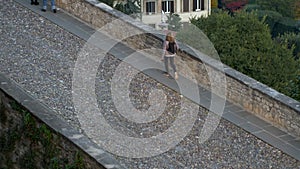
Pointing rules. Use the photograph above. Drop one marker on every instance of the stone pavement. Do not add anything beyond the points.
(236, 115)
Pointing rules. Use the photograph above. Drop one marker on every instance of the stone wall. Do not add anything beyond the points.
(32, 136)
(253, 96)
(26, 142)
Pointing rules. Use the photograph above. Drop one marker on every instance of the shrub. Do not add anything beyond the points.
(277, 23)
(130, 7)
(245, 44)
(292, 41)
(293, 88)
(270, 17)
(251, 7)
(284, 7)
(284, 25)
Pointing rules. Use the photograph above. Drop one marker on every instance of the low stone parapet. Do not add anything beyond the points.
(257, 98)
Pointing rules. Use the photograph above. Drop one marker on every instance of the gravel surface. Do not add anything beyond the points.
(40, 57)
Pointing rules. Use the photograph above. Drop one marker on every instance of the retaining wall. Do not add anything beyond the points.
(246, 92)
(32, 136)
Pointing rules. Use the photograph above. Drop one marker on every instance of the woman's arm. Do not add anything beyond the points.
(177, 46)
(164, 49)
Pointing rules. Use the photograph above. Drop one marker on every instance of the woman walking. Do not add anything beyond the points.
(170, 49)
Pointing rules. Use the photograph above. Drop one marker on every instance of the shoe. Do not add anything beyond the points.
(44, 10)
(167, 74)
(176, 75)
(54, 10)
(34, 2)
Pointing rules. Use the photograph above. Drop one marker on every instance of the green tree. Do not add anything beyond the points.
(129, 7)
(270, 17)
(284, 7)
(278, 24)
(292, 41)
(293, 88)
(173, 21)
(195, 38)
(245, 44)
(297, 10)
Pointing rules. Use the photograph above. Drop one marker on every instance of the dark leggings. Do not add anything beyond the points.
(166, 59)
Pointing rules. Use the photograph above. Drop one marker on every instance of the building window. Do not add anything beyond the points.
(150, 7)
(198, 5)
(186, 5)
(152, 25)
(168, 6)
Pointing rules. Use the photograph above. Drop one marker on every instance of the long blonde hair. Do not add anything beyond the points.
(170, 37)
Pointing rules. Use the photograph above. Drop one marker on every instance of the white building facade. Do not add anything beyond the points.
(152, 10)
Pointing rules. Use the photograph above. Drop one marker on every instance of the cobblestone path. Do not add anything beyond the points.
(40, 56)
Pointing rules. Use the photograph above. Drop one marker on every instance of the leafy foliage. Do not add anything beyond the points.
(277, 19)
(292, 41)
(297, 10)
(281, 14)
(234, 5)
(174, 22)
(251, 7)
(284, 7)
(293, 88)
(245, 43)
(195, 38)
(214, 4)
(129, 7)
(270, 17)
(286, 24)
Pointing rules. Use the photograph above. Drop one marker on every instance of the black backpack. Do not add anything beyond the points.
(172, 47)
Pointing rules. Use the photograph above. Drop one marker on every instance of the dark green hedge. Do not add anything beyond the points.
(244, 43)
(277, 23)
